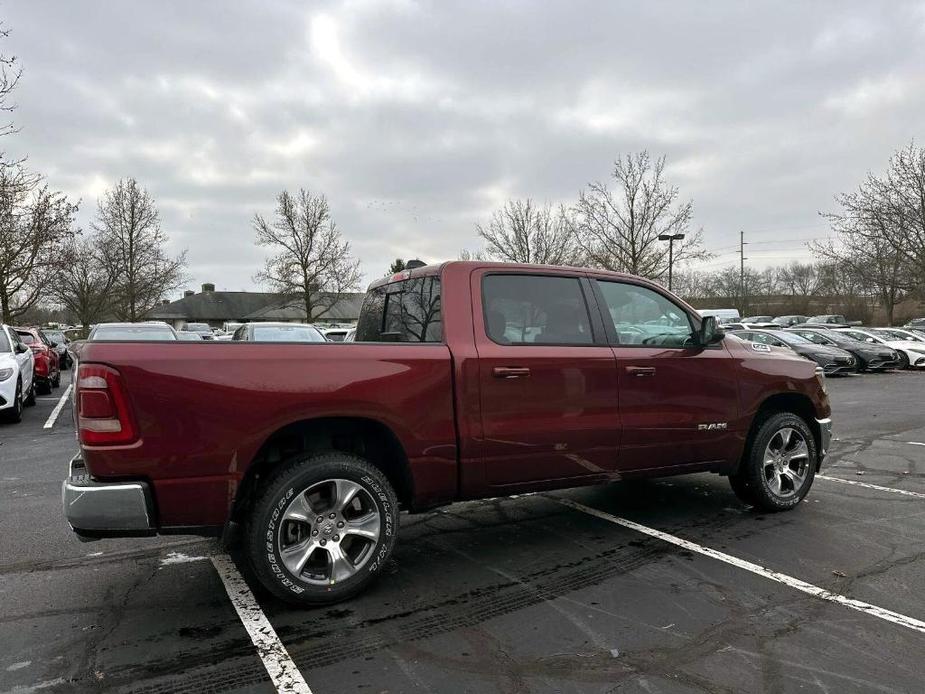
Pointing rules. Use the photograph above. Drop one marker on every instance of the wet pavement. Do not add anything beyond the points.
(517, 594)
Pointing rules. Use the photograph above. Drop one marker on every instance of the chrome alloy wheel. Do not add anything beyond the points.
(329, 531)
(786, 462)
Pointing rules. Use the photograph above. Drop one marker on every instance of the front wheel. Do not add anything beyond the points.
(322, 529)
(779, 467)
(903, 361)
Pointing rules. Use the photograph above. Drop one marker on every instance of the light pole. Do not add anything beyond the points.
(670, 238)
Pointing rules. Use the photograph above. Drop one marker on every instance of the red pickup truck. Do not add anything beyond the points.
(466, 380)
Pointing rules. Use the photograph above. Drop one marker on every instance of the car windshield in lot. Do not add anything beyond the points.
(189, 337)
(151, 333)
(888, 334)
(790, 338)
(287, 333)
(55, 336)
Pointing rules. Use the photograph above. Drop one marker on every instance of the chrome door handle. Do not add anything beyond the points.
(640, 370)
(510, 372)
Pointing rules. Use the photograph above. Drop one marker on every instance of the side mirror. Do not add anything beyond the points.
(710, 333)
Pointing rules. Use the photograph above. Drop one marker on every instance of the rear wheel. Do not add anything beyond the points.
(778, 469)
(903, 361)
(14, 414)
(322, 528)
(56, 381)
(30, 396)
(44, 387)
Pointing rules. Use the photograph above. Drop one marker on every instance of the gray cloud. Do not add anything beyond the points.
(417, 119)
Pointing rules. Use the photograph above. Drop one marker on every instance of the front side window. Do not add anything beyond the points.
(406, 311)
(642, 316)
(814, 337)
(5, 345)
(532, 309)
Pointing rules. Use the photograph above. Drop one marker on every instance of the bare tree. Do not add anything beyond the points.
(897, 201)
(619, 229)
(128, 226)
(523, 232)
(880, 230)
(10, 72)
(84, 282)
(312, 261)
(35, 222)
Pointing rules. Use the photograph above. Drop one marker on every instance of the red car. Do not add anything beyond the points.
(466, 380)
(47, 361)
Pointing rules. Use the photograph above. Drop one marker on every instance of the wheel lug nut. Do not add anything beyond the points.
(332, 516)
(324, 542)
(336, 538)
(314, 532)
(340, 524)
(320, 519)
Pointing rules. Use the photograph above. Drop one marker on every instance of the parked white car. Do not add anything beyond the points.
(911, 353)
(17, 369)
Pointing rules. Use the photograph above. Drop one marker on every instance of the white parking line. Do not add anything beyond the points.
(50, 422)
(282, 670)
(915, 443)
(803, 586)
(868, 485)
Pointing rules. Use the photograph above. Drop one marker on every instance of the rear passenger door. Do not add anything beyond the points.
(548, 387)
(678, 402)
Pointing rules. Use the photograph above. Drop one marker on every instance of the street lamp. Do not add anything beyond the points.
(670, 238)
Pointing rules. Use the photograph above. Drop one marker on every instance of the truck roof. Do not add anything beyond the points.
(437, 268)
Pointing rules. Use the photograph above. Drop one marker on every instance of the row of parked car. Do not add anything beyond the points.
(31, 361)
(195, 332)
(837, 345)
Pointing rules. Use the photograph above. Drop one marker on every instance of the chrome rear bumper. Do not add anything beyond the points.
(106, 509)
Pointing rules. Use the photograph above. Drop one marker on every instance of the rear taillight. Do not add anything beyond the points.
(103, 414)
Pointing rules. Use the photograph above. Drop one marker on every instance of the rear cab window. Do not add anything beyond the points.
(402, 311)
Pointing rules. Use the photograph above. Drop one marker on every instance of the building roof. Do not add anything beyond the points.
(251, 306)
(216, 306)
(345, 308)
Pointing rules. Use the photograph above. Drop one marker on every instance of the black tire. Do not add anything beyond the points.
(14, 414)
(269, 530)
(903, 361)
(56, 381)
(30, 396)
(742, 489)
(783, 483)
(43, 387)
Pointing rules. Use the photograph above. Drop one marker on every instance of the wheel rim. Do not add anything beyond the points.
(786, 462)
(329, 531)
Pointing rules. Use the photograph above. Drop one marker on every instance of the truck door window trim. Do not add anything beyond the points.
(610, 329)
(598, 339)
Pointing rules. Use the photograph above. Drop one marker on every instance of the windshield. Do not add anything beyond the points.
(133, 332)
(790, 338)
(287, 333)
(890, 334)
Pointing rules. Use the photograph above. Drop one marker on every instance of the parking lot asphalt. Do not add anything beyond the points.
(537, 593)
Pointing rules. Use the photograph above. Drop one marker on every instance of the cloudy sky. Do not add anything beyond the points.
(417, 119)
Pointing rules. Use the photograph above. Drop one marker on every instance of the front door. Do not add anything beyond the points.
(678, 402)
(547, 380)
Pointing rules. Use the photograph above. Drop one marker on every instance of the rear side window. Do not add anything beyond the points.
(27, 338)
(532, 309)
(406, 311)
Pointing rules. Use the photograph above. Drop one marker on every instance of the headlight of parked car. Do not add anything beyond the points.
(5, 374)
